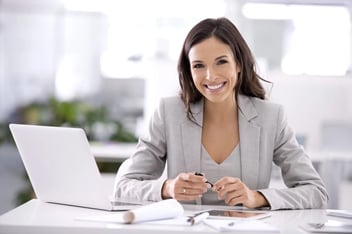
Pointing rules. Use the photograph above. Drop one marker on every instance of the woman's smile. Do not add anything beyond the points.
(215, 87)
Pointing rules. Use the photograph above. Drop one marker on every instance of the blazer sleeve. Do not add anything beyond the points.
(305, 189)
(139, 177)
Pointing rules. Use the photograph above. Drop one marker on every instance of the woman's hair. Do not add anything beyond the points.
(248, 82)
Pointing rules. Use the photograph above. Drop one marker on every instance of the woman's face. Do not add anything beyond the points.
(214, 70)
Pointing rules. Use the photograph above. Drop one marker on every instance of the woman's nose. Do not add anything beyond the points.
(210, 74)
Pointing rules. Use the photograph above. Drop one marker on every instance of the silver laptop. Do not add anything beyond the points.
(62, 168)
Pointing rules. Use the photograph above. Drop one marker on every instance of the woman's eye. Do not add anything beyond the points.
(198, 66)
(222, 61)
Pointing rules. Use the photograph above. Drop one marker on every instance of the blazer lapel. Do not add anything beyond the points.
(249, 141)
(191, 139)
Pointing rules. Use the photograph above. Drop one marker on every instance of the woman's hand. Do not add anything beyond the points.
(185, 187)
(235, 192)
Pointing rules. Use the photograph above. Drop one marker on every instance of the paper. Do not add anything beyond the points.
(180, 221)
(166, 209)
(330, 226)
(340, 213)
(109, 218)
(255, 226)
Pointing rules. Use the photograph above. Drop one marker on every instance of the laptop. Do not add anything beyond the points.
(62, 168)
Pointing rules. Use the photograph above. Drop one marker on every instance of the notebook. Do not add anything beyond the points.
(62, 168)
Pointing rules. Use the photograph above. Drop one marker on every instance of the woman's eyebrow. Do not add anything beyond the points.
(217, 58)
(221, 57)
(196, 61)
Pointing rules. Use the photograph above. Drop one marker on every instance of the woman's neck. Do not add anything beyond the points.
(220, 113)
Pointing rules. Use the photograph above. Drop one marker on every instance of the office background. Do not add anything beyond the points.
(120, 57)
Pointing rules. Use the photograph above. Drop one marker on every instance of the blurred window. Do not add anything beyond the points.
(316, 40)
(141, 29)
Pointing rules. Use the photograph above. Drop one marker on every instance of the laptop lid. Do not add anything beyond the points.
(61, 166)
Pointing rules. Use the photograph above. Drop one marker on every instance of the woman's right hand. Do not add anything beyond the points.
(185, 187)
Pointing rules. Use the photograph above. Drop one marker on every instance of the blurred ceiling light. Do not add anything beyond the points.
(320, 41)
(151, 8)
(266, 11)
(85, 5)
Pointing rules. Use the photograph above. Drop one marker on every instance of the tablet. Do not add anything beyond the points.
(237, 214)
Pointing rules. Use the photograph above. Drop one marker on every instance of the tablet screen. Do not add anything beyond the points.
(238, 214)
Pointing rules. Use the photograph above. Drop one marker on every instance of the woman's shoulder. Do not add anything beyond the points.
(265, 112)
(172, 109)
(172, 105)
(261, 107)
(266, 103)
(172, 100)
(263, 103)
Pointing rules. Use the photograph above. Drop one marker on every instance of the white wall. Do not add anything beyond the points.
(311, 101)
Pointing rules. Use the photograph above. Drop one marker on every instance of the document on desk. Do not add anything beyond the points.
(340, 213)
(330, 226)
(245, 226)
(166, 209)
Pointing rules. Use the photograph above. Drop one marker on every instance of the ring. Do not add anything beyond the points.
(184, 191)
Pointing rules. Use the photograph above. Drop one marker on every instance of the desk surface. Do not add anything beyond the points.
(39, 217)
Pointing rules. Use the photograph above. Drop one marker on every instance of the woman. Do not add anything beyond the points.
(222, 126)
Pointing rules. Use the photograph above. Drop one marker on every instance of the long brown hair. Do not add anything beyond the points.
(248, 82)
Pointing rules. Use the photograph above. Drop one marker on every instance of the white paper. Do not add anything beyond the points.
(330, 226)
(180, 221)
(340, 213)
(226, 225)
(108, 218)
(166, 209)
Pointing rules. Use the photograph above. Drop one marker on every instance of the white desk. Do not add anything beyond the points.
(39, 217)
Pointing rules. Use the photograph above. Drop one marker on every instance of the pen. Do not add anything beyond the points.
(198, 217)
(200, 174)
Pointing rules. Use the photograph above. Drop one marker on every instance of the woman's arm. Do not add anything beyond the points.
(305, 187)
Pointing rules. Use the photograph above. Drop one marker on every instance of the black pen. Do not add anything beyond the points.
(200, 174)
(198, 217)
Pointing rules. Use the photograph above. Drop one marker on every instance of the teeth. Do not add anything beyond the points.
(214, 86)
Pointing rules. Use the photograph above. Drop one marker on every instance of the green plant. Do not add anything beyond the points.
(68, 113)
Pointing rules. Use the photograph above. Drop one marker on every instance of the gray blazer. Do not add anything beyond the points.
(265, 137)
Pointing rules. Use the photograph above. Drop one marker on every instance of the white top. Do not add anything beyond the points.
(213, 171)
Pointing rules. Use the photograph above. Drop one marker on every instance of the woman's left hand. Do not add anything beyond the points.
(234, 192)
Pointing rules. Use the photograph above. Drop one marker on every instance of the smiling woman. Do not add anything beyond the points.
(214, 72)
(222, 126)
(214, 69)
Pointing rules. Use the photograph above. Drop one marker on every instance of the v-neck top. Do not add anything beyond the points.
(213, 171)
